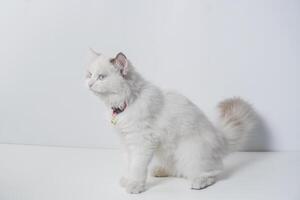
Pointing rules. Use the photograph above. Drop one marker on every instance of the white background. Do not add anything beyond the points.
(208, 50)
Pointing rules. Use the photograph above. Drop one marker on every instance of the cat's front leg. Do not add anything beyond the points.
(126, 162)
(140, 157)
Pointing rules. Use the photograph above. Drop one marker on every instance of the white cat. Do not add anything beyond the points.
(165, 124)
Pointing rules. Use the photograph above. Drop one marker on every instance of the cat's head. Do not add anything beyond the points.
(108, 78)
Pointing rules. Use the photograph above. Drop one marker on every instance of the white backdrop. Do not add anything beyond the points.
(226, 48)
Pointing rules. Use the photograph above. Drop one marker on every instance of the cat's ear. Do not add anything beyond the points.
(121, 62)
(94, 53)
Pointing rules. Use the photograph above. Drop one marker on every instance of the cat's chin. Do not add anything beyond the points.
(112, 98)
(98, 93)
(106, 97)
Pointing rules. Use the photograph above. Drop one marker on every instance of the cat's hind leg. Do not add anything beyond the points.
(198, 161)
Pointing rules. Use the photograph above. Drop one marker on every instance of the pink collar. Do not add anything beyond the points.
(117, 110)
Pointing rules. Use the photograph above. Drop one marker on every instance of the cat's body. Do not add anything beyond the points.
(167, 125)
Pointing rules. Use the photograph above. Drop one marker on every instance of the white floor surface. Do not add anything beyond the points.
(57, 173)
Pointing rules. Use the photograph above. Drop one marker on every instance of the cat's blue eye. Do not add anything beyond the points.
(101, 77)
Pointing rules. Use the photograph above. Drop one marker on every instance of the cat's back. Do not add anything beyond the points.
(180, 107)
(179, 115)
(173, 98)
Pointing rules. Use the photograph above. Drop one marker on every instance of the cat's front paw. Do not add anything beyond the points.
(135, 187)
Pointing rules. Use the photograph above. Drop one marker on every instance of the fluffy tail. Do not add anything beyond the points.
(237, 120)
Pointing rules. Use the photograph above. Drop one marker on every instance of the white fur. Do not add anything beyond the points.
(167, 125)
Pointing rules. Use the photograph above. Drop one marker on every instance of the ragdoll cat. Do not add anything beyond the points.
(167, 125)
